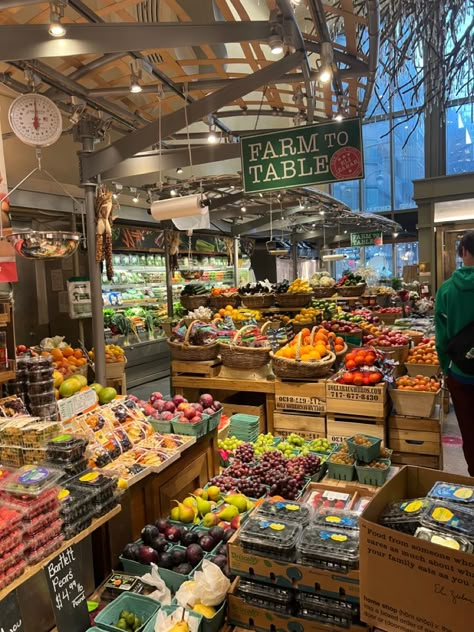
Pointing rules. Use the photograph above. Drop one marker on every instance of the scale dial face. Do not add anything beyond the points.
(35, 120)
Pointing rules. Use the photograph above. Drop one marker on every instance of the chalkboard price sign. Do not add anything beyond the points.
(10, 615)
(66, 589)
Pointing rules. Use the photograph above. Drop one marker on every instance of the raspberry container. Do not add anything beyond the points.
(42, 399)
(11, 557)
(40, 522)
(11, 540)
(32, 480)
(36, 555)
(39, 388)
(277, 539)
(12, 573)
(288, 511)
(338, 518)
(66, 448)
(451, 541)
(452, 493)
(43, 536)
(102, 485)
(10, 518)
(329, 548)
(450, 518)
(404, 515)
(32, 506)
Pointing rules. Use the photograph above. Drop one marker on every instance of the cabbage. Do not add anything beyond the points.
(57, 342)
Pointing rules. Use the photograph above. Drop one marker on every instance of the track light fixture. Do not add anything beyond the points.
(212, 136)
(136, 196)
(56, 28)
(327, 58)
(173, 193)
(243, 208)
(179, 170)
(275, 42)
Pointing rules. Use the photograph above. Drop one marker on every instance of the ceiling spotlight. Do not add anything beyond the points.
(173, 193)
(313, 225)
(321, 212)
(395, 235)
(243, 209)
(260, 195)
(327, 58)
(339, 117)
(276, 43)
(325, 74)
(56, 28)
(136, 196)
(301, 205)
(179, 170)
(345, 232)
(135, 87)
(212, 136)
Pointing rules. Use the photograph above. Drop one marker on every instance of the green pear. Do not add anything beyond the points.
(237, 500)
(210, 520)
(213, 492)
(228, 512)
(203, 506)
(201, 492)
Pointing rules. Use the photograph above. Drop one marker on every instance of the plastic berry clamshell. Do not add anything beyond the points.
(450, 541)
(449, 517)
(74, 504)
(101, 486)
(12, 573)
(41, 552)
(66, 448)
(288, 511)
(336, 518)
(32, 506)
(31, 480)
(277, 539)
(11, 540)
(73, 528)
(40, 522)
(10, 518)
(453, 493)
(101, 508)
(38, 388)
(43, 536)
(11, 557)
(265, 596)
(329, 548)
(404, 515)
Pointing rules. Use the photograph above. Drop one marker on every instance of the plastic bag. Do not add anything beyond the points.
(210, 587)
(165, 621)
(162, 592)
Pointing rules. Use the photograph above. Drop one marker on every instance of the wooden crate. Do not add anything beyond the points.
(417, 424)
(421, 460)
(119, 383)
(205, 368)
(345, 399)
(428, 370)
(339, 427)
(412, 442)
(414, 403)
(308, 426)
(301, 396)
(231, 407)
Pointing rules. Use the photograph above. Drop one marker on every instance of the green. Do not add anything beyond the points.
(454, 309)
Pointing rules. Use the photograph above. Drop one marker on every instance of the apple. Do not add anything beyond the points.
(159, 405)
(206, 400)
(197, 407)
(179, 399)
(170, 407)
(189, 412)
(209, 411)
(195, 420)
(183, 406)
(148, 409)
(166, 415)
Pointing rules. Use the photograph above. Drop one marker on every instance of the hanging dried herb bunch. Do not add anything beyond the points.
(103, 216)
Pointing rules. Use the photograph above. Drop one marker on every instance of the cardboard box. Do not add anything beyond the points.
(408, 584)
(369, 401)
(307, 426)
(301, 396)
(240, 613)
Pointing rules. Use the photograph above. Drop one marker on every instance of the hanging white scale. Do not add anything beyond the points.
(35, 120)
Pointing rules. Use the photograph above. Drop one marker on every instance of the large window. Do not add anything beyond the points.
(351, 262)
(408, 159)
(376, 186)
(406, 254)
(459, 139)
(380, 259)
(347, 192)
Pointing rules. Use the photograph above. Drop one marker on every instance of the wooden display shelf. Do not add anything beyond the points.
(204, 368)
(301, 396)
(32, 570)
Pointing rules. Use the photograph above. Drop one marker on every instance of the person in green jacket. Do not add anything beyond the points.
(454, 310)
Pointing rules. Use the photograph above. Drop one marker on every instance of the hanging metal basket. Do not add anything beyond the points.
(43, 245)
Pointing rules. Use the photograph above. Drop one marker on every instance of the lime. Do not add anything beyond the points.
(107, 394)
(97, 387)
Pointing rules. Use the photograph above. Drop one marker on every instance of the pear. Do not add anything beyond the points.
(185, 514)
(213, 492)
(206, 611)
(174, 514)
(203, 506)
(210, 520)
(201, 492)
(228, 512)
(181, 626)
(237, 500)
(190, 501)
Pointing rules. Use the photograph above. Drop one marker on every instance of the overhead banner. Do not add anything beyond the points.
(302, 156)
(374, 238)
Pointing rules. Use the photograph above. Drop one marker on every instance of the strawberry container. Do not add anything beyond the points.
(12, 573)
(11, 557)
(36, 555)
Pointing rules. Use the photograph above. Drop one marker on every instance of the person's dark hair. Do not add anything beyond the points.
(467, 242)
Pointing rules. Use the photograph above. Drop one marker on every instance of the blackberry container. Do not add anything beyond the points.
(66, 448)
(38, 388)
(404, 515)
(338, 518)
(96, 483)
(102, 508)
(42, 399)
(329, 548)
(266, 596)
(73, 528)
(40, 374)
(286, 510)
(70, 469)
(277, 539)
(450, 518)
(321, 603)
(456, 542)
(74, 505)
(453, 493)
(335, 619)
(45, 411)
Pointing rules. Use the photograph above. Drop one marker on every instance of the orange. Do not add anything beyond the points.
(305, 332)
(67, 352)
(78, 353)
(57, 354)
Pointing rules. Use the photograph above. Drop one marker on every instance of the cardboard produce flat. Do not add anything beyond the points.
(407, 584)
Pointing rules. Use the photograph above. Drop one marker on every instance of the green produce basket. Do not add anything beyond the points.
(240, 419)
(193, 430)
(161, 426)
(372, 475)
(341, 472)
(365, 453)
(214, 420)
(141, 606)
(150, 626)
(134, 568)
(217, 621)
(174, 580)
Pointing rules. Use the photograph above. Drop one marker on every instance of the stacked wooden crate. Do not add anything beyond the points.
(300, 407)
(417, 440)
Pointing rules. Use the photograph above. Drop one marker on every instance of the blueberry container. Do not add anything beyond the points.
(42, 399)
(66, 448)
(70, 529)
(39, 388)
(321, 603)
(338, 518)
(453, 493)
(286, 510)
(404, 515)
(450, 518)
(277, 539)
(449, 540)
(74, 505)
(329, 548)
(101, 485)
(267, 596)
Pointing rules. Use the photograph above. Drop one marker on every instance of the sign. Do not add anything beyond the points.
(302, 156)
(373, 238)
(10, 615)
(77, 404)
(66, 589)
(79, 295)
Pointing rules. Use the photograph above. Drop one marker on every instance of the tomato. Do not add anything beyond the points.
(350, 364)
(348, 378)
(366, 379)
(369, 359)
(375, 378)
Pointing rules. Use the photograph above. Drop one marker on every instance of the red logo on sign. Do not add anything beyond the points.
(346, 163)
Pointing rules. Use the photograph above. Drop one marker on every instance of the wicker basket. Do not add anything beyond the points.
(296, 299)
(416, 336)
(351, 290)
(257, 301)
(238, 357)
(323, 292)
(193, 302)
(388, 317)
(193, 353)
(219, 302)
(296, 369)
(398, 354)
(297, 327)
